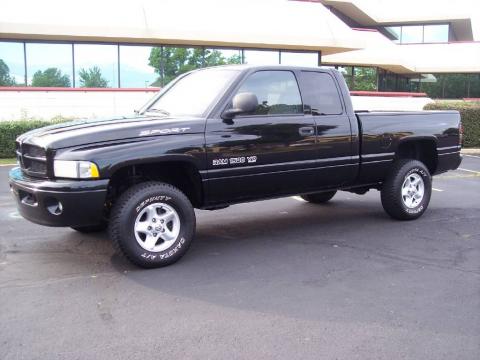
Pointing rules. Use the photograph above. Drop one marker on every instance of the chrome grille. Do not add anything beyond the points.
(32, 159)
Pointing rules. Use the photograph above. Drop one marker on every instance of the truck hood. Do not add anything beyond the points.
(83, 132)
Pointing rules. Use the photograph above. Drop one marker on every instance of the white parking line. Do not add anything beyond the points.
(472, 171)
(474, 156)
(435, 189)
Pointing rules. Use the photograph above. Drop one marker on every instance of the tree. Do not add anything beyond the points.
(51, 77)
(452, 86)
(365, 78)
(5, 78)
(169, 62)
(92, 78)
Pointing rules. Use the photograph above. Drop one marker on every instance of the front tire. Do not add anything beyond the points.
(152, 224)
(407, 190)
(319, 198)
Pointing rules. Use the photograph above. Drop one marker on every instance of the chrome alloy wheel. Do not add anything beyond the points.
(157, 227)
(413, 190)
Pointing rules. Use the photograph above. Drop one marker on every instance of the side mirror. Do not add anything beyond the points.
(242, 103)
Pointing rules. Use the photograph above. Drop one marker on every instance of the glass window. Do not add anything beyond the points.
(193, 94)
(320, 93)
(169, 62)
(49, 65)
(135, 70)
(214, 57)
(387, 81)
(299, 58)
(12, 66)
(412, 34)
(277, 92)
(395, 32)
(347, 72)
(365, 78)
(435, 33)
(96, 65)
(261, 57)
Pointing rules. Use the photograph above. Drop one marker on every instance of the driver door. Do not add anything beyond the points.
(266, 153)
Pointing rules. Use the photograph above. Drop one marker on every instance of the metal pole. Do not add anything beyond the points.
(162, 67)
(25, 62)
(118, 63)
(73, 66)
(319, 58)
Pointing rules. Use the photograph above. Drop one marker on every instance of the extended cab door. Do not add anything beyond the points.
(269, 152)
(323, 103)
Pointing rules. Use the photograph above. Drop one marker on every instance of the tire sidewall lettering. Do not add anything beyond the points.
(165, 255)
(150, 200)
(417, 171)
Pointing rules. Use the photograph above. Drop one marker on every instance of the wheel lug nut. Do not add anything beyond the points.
(149, 228)
(154, 234)
(162, 221)
(154, 220)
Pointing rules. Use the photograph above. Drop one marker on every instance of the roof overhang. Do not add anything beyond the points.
(295, 26)
(415, 58)
(382, 13)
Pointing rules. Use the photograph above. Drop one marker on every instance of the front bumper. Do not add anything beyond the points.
(58, 202)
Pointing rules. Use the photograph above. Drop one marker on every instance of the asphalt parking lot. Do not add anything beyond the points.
(279, 279)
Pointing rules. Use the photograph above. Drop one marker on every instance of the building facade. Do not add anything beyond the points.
(375, 44)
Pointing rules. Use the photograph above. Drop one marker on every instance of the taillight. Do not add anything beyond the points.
(460, 134)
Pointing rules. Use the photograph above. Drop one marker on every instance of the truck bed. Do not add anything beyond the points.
(382, 133)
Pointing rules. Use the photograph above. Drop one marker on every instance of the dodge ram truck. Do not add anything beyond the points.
(224, 135)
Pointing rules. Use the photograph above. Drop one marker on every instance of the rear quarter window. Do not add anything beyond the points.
(320, 92)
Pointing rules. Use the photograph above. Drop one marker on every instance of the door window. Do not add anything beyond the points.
(277, 92)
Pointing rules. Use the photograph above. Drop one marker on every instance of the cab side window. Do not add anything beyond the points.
(277, 92)
(320, 93)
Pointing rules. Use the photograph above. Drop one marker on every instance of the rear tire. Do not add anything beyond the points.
(407, 190)
(319, 198)
(152, 224)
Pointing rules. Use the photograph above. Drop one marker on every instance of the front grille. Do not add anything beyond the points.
(32, 159)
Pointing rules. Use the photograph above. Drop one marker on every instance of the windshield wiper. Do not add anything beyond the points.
(161, 111)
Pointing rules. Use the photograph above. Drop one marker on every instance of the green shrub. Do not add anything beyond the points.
(470, 114)
(9, 130)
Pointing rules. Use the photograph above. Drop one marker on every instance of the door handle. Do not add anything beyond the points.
(306, 131)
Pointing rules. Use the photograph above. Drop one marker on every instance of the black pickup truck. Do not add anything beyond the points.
(224, 135)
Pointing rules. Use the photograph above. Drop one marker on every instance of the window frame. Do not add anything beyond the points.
(401, 41)
(228, 102)
(30, 69)
(437, 42)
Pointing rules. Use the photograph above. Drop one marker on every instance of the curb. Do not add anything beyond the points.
(471, 151)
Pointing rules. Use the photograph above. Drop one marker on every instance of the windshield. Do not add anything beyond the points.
(193, 94)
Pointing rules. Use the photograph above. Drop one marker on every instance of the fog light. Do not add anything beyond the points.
(53, 206)
(27, 198)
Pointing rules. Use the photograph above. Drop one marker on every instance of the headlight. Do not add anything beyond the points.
(75, 169)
